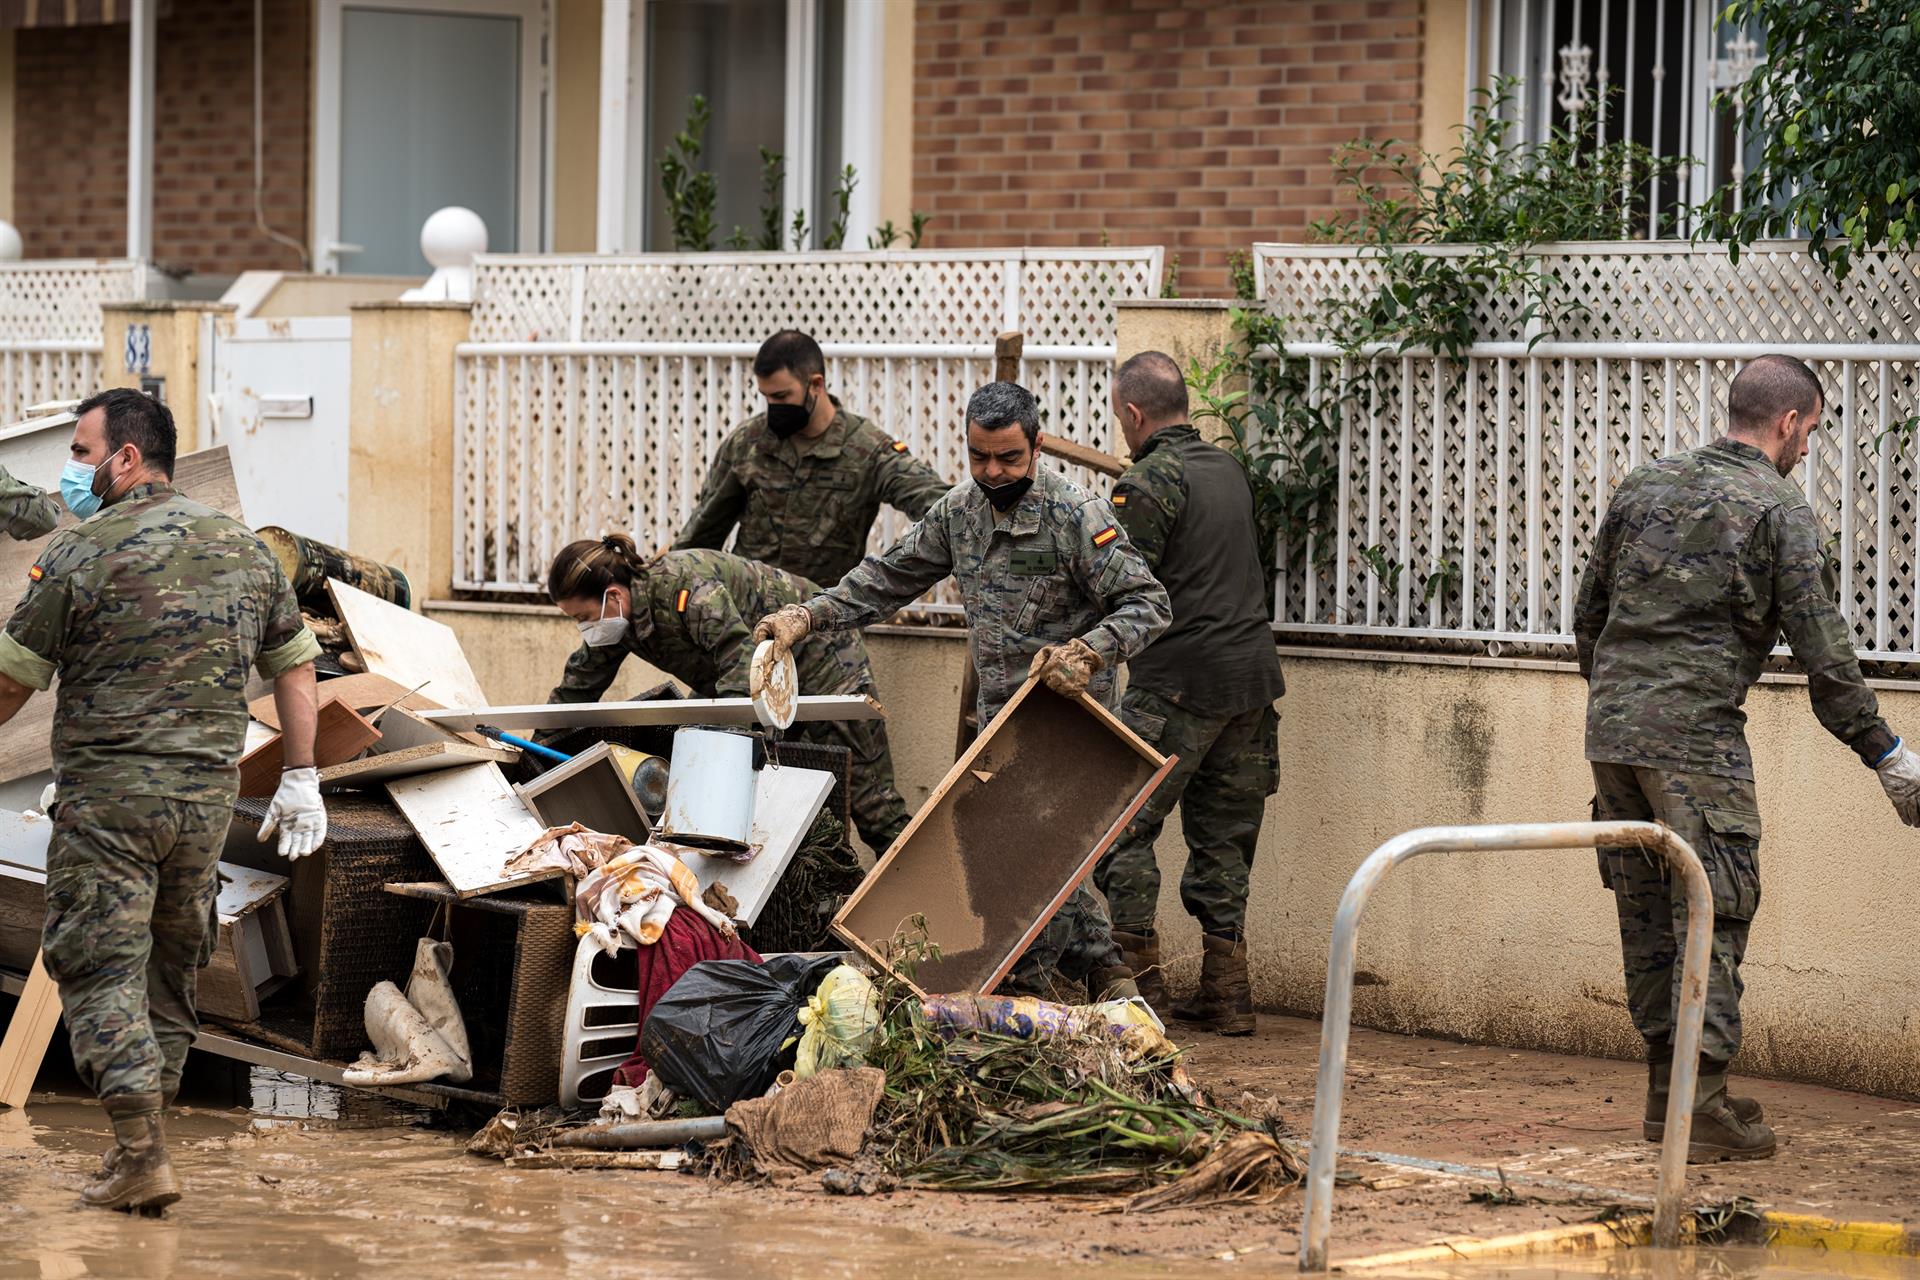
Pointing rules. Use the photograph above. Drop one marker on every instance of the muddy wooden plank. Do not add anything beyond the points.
(29, 1032)
(471, 822)
(404, 646)
(385, 766)
(24, 839)
(26, 741)
(341, 734)
(604, 715)
(363, 691)
(1010, 832)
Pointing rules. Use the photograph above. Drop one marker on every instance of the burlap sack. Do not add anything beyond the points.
(811, 1124)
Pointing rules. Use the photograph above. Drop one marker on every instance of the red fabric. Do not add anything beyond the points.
(686, 941)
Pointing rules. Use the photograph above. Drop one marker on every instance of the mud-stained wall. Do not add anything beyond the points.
(1518, 949)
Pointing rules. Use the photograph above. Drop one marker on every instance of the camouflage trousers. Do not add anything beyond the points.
(1077, 942)
(1720, 818)
(878, 811)
(131, 885)
(1226, 770)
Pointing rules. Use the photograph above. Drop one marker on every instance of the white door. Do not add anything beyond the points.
(279, 393)
(422, 104)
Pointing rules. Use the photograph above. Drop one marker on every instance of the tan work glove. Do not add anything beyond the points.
(786, 626)
(1066, 668)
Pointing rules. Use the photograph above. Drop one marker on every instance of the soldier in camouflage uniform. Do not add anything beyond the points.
(1204, 692)
(805, 479)
(1702, 562)
(690, 613)
(1052, 587)
(150, 614)
(25, 512)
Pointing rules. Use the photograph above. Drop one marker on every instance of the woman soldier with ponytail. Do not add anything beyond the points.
(691, 614)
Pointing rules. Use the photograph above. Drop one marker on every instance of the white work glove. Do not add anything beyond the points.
(1899, 772)
(296, 810)
(46, 799)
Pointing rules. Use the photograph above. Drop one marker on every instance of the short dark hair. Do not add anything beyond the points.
(1004, 404)
(1152, 381)
(1769, 386)
(791, 350)
(136, 418)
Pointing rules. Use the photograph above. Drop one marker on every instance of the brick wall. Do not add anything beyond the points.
(70, 137)
(1190, 123)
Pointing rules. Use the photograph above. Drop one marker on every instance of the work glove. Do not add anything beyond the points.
(297, 812)
(1066, 668)
(786, 626)
(1899, 772)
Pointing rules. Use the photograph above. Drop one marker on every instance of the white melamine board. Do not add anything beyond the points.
(242, 889)
(606, 715)
(785, 803)
(23, 839)
(471, 822)
(397, 643)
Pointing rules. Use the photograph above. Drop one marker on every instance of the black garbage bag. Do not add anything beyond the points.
(717, 1034)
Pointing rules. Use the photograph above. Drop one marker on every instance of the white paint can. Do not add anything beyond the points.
(710, 790)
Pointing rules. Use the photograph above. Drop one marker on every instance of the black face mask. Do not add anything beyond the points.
(789, 420)
(1003, 496)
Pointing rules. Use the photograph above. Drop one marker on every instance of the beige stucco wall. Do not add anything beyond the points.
(174, 335)
(1443, 74)
(576, 124)
(896, 136)
(1518, 949)
(6, 124)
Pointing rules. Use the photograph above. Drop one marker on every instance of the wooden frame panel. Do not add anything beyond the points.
(971, 857)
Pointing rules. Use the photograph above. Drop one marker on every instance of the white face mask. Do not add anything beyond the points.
(603, 632)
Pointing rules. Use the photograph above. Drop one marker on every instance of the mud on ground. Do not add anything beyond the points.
(300, 1179)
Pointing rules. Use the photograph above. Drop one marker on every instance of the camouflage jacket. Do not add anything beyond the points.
(693, 618)
(150, 613)
(807, 506)
(1188, 509)
(1703, 560)
(1058, 565)
(25, 512)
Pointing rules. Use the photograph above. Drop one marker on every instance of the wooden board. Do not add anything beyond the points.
(364, 692)
(24, 839)
(590, 790)
(385, 766)
(401, 729)
(253, 948)
(785, 803)
(29, 1032)
(471, 822)
(342, 734)
(1003, 841)
(1090, 458)
(26, 741)
(404, 646)
(607, 715)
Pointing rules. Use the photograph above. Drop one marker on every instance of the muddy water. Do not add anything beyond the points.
(314, 1181)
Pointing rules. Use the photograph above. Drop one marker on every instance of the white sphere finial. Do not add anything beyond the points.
(452, 236)
(12, 249)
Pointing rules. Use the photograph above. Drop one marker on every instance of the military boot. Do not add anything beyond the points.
(1653, 1127)
(137, 1173)
(1718, 1133)
(1224, 1002)
(1114, 983)
(1141, 951)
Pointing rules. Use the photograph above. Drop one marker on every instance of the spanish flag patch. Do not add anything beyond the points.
(1120, 498)
(1105, 536)
(899, 446)
(680, 601)
(36, 573)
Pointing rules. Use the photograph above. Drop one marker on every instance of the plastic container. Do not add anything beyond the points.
(710, 790)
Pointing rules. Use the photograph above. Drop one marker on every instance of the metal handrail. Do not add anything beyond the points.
(1337, 1020)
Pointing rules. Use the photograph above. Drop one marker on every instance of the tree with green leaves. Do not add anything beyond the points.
(1835, 106)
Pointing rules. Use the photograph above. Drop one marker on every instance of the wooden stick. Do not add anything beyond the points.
(1082, 455)
(1006, 356)
(28, 1035)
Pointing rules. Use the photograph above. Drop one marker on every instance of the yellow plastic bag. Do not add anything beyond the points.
(839, 1021)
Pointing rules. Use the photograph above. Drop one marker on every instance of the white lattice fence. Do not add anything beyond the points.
(596, 390)
(1470, 490)
(50, 327)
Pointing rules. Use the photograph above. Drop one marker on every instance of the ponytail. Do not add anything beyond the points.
(585, 569)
